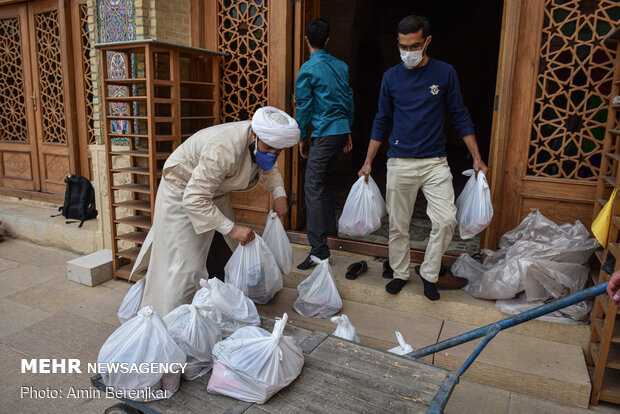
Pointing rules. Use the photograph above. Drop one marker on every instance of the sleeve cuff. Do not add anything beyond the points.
(279, 192)
(225, 227)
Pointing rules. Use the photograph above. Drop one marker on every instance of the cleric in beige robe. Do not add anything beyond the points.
(192, 201)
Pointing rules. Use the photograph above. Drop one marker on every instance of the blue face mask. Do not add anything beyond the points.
(265, 160)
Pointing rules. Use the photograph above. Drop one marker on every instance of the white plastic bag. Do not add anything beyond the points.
(345, 328)
(131, 303)
(252, 364)
(403, 347)
(233, 309)
(317, 295)
(253, 269)
(196, 335)
(277, 241)
(474, 208)
(143, 339)
(363, 210)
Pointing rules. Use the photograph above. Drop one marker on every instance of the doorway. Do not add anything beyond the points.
(465, 35)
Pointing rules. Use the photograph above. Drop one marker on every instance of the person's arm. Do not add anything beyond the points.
(613, 287)
(214, 166)
(273, 181)
(303, 110)
(380, 127)
(459, 117)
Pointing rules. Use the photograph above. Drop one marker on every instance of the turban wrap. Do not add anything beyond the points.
(275, 127)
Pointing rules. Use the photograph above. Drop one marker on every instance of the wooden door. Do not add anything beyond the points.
(305, 12)
(19, 166)
(83, 83)
(547, 148)
(51, 64)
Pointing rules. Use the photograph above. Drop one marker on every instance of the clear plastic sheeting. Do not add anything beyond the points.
(538, 261)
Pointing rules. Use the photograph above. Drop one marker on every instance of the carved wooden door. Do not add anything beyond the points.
(52, 92)
(305, 12)
(18, 145)
(551, 147)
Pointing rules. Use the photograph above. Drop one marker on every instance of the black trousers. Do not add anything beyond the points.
(320, 217)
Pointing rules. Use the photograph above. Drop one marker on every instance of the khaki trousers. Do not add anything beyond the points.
(405, 176)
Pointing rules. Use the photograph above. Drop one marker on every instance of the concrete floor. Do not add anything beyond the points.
(43, 315)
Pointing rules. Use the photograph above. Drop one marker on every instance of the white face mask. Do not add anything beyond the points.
(413, 58)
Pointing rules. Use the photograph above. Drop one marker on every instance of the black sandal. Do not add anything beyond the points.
(356, 269)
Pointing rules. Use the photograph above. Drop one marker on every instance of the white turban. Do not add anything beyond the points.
(275, 127)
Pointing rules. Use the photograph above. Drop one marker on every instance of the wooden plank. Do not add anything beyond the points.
(134, 187)
(131, 253)
(613, 355)
(615, 336)
(410, 379)
(143, 222)
(610, 390)
(141, 205)
(134, 237)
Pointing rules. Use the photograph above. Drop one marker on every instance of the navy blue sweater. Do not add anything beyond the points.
(414, 104)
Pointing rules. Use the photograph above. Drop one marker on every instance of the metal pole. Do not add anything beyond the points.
(512, 321)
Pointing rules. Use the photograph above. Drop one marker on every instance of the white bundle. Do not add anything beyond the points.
(279, 244)
(252, 364)
(403, 347)
(143, 339)
(253, 269)
(345, 328)
(196, 335)
(317, 295)
(132, 301)
(232, 309)
(363, 210)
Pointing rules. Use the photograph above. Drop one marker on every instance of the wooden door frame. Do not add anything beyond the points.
(66, 59)
(21, 12)
(500, 128)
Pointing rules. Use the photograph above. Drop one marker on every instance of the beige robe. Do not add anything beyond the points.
(192, 202)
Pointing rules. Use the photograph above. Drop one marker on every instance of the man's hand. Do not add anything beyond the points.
(280, 206)
(348, 146)
(242, 234)
(365, 171)
(613, 287)
(479, 165)
(304, 148)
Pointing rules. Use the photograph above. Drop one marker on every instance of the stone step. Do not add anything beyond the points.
(32, 221)
(533, 366)
(520, 363)
(454, 305)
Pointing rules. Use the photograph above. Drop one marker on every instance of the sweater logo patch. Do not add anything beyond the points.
(434, 89)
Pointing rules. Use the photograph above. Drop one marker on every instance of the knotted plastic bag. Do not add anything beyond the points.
(196, 335)
(253, 269)
(403, 347)
(474, 208)
(344, 328)
(231, 308)
(363, 210)
(252, 364)
(279, 244)
(131, 303)
(317, 295)
(143, 339)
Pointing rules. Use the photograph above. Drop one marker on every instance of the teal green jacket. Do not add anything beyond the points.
(324, 97)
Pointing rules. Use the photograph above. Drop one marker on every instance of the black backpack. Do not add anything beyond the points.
(79, 199)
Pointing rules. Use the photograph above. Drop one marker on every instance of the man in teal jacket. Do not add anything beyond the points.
(325, 100)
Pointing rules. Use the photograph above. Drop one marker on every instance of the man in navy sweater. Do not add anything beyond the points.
(415, 97)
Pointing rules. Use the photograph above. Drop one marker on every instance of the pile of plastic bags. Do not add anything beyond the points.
(363, 210)
(537, 261)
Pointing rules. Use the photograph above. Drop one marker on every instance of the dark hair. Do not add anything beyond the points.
(413, 24)
(317, 32)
